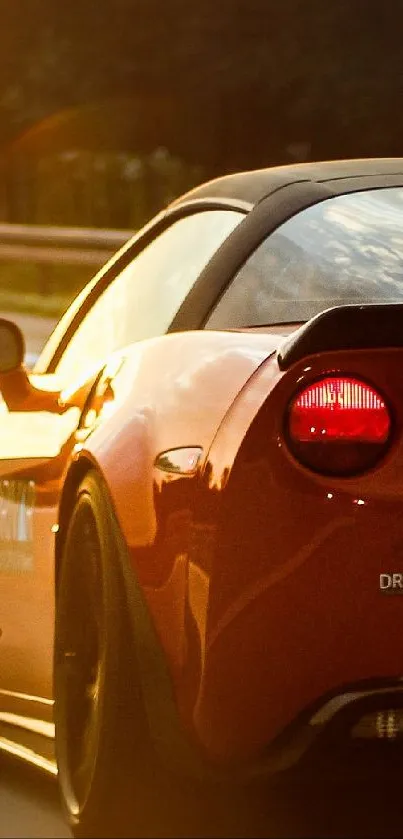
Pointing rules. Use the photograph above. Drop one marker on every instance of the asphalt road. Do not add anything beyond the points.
(29, 804)
(29, 808)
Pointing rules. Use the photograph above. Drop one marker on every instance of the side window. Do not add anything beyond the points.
(143, 299)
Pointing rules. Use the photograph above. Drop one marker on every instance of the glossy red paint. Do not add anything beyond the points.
(152, 413)
(262, 577)
(304, 617)
(168, 393)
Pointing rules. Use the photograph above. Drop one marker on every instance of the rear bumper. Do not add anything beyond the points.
(364, 720)
(327, 742)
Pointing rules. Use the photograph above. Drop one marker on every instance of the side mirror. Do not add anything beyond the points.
(12, 346)
(17, 390)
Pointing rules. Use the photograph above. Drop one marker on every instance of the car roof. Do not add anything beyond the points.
(252, 187)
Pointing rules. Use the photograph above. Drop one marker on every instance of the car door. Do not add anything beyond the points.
(139, 303)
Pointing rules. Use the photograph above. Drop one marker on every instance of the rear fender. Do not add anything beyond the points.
(170, 393)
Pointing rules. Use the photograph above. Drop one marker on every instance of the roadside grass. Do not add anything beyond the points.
(34, 304)
(44, 290)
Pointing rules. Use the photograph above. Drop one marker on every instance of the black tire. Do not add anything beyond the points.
(103, 747)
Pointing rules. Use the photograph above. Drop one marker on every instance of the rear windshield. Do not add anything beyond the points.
(347, 249)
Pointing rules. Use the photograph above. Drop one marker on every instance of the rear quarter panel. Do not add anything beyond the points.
(295, 611)
(170, 392)
(262, 578)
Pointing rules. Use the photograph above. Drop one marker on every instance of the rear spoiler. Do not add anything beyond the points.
(353, 327)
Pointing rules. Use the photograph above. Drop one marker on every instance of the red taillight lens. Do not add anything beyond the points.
(338, 425)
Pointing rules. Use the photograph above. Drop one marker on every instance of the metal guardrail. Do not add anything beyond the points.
(68, 245)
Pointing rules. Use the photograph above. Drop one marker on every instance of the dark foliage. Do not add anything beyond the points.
(224, 84)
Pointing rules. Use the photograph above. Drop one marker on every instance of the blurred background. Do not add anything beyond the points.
(110, 109)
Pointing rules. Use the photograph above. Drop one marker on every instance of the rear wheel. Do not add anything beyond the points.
(110, 780)
(102, 743)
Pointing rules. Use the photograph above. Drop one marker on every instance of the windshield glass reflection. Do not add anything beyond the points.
(347, 249)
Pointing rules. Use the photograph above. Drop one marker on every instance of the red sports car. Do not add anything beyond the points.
(201, 539)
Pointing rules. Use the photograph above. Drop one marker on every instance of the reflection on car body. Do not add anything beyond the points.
(17, 501)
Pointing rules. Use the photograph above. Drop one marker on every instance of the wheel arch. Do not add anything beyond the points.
(77, 471)
(170, 740)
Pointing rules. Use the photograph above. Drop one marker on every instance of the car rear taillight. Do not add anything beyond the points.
(338, 425)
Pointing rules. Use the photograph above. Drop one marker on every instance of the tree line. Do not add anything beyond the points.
(217, 86)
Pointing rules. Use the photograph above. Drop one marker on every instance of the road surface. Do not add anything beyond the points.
(29, 804)
(29, 808)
